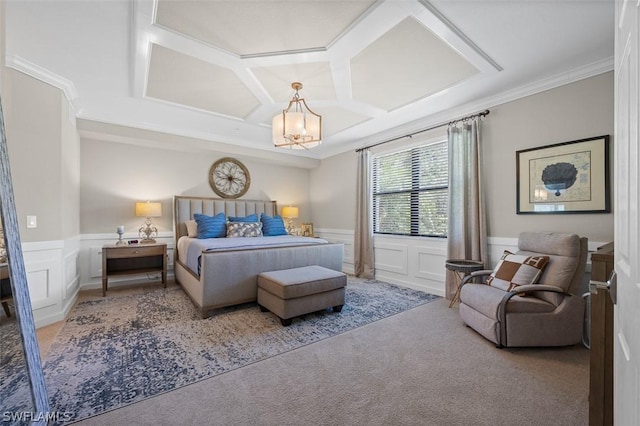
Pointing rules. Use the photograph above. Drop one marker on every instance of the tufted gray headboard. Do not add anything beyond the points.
(185, 207)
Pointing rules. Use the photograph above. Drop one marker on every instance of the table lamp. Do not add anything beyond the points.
(290, 213)
(148, 231)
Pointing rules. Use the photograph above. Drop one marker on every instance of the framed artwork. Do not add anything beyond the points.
(306, 229)
(568, 177)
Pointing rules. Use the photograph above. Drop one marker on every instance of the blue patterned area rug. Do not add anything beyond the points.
(15, 392)
(119, 350)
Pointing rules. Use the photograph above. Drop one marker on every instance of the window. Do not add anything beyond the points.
(410, 191)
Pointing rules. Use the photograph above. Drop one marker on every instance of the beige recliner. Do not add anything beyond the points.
(547, 313)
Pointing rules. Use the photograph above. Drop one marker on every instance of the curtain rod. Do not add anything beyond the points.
(448, 123)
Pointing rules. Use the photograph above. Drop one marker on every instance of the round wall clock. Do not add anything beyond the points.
(229, 178)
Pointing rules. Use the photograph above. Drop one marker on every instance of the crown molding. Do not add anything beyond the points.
(157, 138)
(557, 80)
(36, 71)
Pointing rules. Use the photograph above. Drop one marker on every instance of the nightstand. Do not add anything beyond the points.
(133, 259)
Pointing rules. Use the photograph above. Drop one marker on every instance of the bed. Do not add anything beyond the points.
(228, 274)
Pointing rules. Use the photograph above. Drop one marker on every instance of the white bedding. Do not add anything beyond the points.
(190, 249)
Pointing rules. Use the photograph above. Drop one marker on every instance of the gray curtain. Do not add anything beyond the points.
(363, 244)
(467, 234)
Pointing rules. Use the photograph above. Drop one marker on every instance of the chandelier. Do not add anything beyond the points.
(297, 127)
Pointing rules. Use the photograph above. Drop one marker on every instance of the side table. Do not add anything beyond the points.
(133, 259)
(461, 268)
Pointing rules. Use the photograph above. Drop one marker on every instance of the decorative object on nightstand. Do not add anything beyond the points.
(120, 231)
(297, 127)
(148, 232)
(290, 213)
(229, 178)
(306, 229)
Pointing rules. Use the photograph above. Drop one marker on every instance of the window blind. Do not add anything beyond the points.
(410, 191)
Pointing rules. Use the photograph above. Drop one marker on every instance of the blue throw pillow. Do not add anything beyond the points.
(250, 218)
(272, 226)
(211, 226)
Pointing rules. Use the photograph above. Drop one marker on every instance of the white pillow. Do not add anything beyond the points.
(192, 228)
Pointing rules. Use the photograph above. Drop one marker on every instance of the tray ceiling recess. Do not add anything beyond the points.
(209, 76)
(358, 60)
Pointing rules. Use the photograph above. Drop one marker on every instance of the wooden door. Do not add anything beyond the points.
(627, 235)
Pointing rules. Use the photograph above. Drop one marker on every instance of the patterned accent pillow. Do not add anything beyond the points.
(272, 226)
(251, 218)
(211, 226)
(514, 269)
(244, 229)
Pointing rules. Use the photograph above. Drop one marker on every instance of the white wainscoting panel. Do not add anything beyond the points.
(43, 267)
(95, 259)
(70, 274)
(344, 236)
(170, 254)
(429, 261)
(391, 257)
(414, 262)
(43, 289)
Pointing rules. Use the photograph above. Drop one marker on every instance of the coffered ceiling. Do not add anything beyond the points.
(218, 71)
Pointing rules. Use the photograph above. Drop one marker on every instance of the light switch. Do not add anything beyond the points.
(32, 222)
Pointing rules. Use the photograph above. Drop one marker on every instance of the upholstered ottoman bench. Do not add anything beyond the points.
(293, 292)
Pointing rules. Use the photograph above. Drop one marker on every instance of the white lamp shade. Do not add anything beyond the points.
(277, 129)
(294, 125)
(297, 127)
(313, 124)
(310, 125)
(296, 130)
(290, 212)
(148, 209)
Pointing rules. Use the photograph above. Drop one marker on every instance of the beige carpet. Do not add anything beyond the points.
(420, 367)
(122, 349)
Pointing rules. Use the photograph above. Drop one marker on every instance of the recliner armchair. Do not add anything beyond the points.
(547, 313)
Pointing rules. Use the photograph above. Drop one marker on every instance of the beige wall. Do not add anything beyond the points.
(333, 189)
(37, 138)
(115, 175)
(69, 171)
(575, 111)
